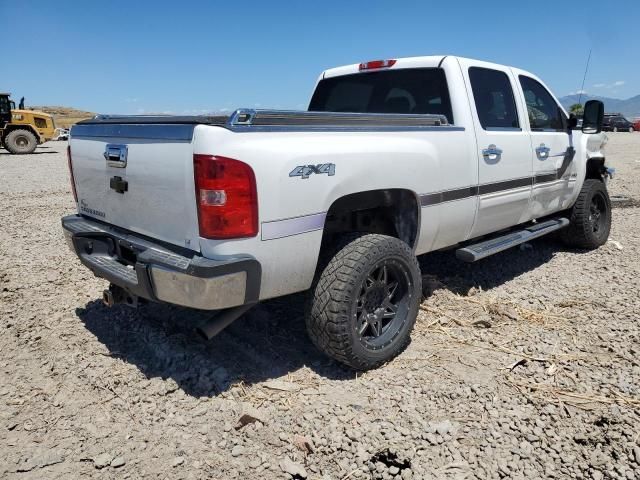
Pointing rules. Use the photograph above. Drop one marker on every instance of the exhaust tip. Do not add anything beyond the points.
(200, 333)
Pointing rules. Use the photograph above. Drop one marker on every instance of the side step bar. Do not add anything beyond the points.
(478, 251)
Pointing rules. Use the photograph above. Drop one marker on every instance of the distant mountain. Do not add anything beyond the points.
(630, 107)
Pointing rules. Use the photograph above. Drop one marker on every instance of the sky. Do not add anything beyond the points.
(193, 57)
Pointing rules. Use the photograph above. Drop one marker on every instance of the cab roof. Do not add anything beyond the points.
(428, 61)
(407, 62)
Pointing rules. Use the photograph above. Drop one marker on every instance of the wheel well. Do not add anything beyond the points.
(595, 168)
(392, 212)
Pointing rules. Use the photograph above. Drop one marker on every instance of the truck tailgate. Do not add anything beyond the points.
(138, 177)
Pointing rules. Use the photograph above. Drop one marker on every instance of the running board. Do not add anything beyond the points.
(478, 251)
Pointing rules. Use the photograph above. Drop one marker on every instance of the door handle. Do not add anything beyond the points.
(543, 151)
(492, 153)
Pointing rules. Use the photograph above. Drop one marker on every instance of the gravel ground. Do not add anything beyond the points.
(525, 365)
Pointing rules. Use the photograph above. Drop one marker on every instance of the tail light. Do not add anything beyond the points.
(226, 196)
(375, 64)
(73, 180)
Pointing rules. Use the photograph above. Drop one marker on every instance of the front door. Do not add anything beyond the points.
(503, 148)
(552, 151)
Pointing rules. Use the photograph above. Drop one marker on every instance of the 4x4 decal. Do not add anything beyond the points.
(305, 170)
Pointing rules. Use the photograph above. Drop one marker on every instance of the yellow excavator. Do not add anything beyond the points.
(21, 130)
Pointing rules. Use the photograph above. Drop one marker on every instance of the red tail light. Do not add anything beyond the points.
(374, 64)
(73, 180)
(226, 196)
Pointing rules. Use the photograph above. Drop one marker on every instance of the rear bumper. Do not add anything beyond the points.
(160, 272)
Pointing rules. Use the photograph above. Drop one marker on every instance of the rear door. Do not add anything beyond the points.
(551, 148)
(503, 148)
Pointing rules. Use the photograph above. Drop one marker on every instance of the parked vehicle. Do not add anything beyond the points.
(21, 131)
(615, 122)
(636, 125)
(61, 134)
(395, 158)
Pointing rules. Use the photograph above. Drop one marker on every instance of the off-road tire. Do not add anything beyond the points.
(586, 230)
(20, 142)
(332, 321)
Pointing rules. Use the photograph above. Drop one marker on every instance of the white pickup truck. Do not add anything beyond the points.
(395, 158)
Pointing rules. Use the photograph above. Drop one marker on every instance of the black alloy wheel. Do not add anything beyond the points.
(383, 303)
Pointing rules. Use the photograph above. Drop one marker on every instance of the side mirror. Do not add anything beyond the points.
(593, 117)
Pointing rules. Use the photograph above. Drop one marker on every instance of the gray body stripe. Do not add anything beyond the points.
(428, 199)
(292, 226)
(546, 177)
(308, 223)
(505, 185)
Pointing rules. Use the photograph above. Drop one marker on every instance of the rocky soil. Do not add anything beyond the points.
(525, 365)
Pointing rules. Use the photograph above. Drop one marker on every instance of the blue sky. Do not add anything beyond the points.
(186, 57)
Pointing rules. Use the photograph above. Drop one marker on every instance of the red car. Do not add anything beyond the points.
(636, 125)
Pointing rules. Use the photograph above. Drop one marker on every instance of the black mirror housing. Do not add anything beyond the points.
(593, 117)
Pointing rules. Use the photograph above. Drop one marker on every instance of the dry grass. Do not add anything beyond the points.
(450, 309)
(549, 392)
(449, 312)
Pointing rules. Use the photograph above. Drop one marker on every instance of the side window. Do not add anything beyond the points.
(40, 122)
(544, 112)
(495, 103)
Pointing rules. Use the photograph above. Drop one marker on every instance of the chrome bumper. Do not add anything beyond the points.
(159, 272)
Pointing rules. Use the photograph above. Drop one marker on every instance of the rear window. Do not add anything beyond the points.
(415, 91)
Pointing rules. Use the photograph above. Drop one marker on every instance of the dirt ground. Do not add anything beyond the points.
(524, 365)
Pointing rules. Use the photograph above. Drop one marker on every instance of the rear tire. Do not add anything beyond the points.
(590, 217)
(20, 142)
(365, 301)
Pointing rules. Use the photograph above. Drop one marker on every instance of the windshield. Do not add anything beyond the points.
(415, 91)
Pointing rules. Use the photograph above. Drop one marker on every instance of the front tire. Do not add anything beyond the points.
(20, 142)
(365, 302)
(590, 217)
